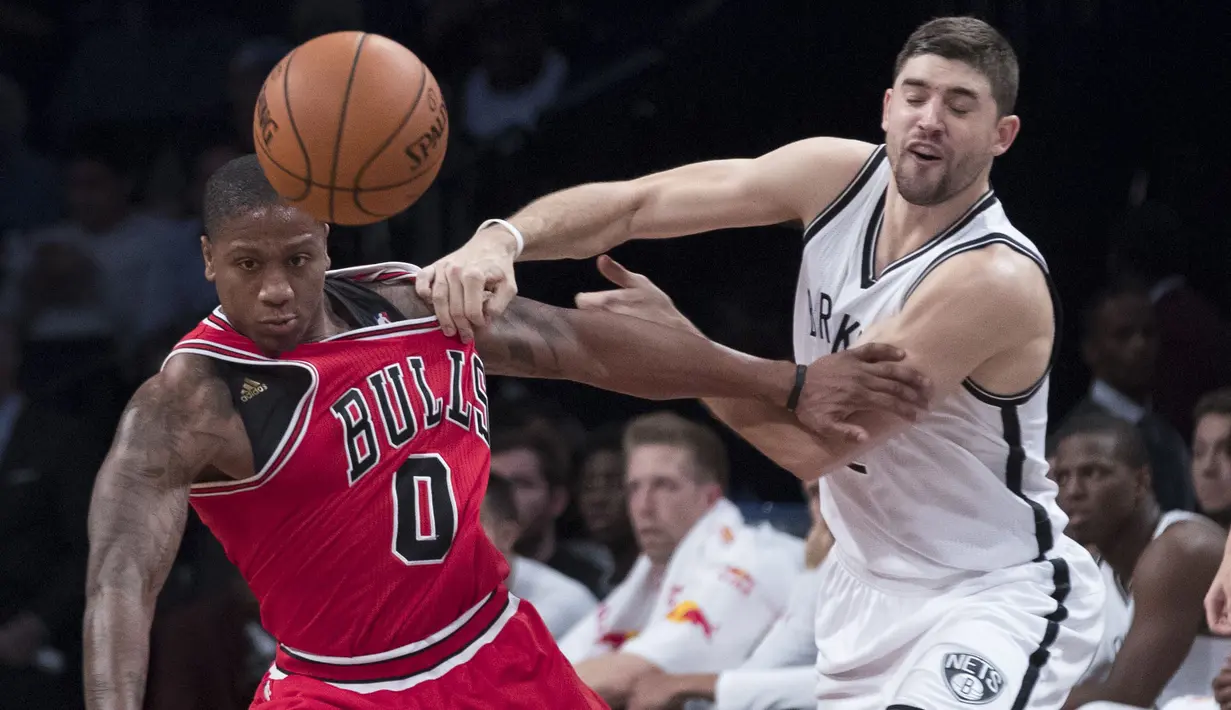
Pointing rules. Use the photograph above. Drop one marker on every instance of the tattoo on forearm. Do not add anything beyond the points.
(532, 340)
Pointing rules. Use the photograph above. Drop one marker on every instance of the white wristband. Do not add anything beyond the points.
(521, 241)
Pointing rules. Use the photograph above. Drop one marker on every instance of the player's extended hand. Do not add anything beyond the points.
(1218, 601)
(866, 378)
(637, 297)
(472, 285)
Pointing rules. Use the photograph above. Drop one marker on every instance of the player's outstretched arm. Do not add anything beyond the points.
(790, 184)
(167, 434)
(626, 355)
(862, 378)
(1168, 584)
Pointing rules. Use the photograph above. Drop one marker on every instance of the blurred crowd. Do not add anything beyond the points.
(634, 532)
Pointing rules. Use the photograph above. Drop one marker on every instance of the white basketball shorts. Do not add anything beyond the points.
(1012, 639)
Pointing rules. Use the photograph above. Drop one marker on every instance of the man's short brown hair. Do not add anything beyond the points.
(669, 428)
(971, 41)
(1216, 402)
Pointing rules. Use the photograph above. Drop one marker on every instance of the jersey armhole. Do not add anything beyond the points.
(978, 392)
(848, 194)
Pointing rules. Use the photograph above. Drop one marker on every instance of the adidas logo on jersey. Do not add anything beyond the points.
(250, 389)
(971, 679)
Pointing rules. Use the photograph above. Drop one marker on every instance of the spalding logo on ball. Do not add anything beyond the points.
(351, 127)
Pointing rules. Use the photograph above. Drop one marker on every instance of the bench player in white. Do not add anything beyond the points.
(953, 584)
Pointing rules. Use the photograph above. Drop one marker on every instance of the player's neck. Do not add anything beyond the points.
(1122, 554)
(907, 226)
(326, 324)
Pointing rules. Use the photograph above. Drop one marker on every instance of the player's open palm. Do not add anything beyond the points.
(637, 296)
(866, 378)
(471, 286)
(1218, 601)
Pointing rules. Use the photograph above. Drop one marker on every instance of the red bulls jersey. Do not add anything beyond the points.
(359, 533)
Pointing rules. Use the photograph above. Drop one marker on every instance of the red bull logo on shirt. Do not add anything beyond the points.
(690, 613)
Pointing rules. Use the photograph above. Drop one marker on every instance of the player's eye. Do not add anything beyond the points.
(247, 264)
(299, 260)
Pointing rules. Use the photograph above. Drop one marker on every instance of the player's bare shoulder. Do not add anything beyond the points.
(994, 302)
(1198, 540)
(182, 421)
(815, 171)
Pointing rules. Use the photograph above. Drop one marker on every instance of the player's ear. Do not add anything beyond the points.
(1145, 486)
(328, 261)
(1007, 128)
(207, 253)
(885, 109)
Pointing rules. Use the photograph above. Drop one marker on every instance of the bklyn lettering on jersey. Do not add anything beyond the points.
(839, 330)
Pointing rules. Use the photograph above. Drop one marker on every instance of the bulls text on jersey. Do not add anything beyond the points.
(391, 405)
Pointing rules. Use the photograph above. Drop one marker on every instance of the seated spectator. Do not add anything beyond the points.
(1120, 346)
(83, 287)
(1150, 246)
(781, 672)
(707, 587)
(560, 600)
(520, 76)
(1212, 455)
(537, 467)
(1157, 566)
(47, 465)
(604, 508)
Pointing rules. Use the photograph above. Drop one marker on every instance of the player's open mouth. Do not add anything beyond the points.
(923, 152)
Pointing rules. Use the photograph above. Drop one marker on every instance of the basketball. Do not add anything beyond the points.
(350, 127)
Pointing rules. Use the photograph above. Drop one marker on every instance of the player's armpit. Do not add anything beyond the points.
(1168, 585)
(166, 435)
(626, 355)
(614, 676)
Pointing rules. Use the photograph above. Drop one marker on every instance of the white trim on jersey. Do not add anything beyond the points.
(400, 651)
(281, 454)
(459, 659)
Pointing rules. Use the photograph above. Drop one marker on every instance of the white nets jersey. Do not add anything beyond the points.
(1118, 607)
(964, 490)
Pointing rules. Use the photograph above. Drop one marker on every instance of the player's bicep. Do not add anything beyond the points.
(140, 500)
(1169, 585)
(789, 184)
(532, 339)
(968, 310)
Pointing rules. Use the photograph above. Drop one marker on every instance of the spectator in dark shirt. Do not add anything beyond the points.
(1194, 341)
(1120, 346)
(46, 468)
(536, 464)
(603, 505)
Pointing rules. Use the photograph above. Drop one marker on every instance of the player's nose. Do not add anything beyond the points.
(276, 290)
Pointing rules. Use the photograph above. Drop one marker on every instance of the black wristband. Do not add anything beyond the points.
(801, 372)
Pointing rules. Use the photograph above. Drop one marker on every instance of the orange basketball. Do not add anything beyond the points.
(351, 127)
